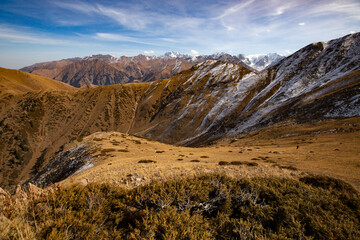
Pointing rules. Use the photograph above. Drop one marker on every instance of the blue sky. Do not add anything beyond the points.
(43, 30)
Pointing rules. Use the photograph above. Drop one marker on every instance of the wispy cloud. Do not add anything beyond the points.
(118, 37)
(149, 51)
(237, 26)
(130, 19)
(16, 36)
(194, 52)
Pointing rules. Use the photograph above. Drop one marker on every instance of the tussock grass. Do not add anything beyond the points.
(204, 207)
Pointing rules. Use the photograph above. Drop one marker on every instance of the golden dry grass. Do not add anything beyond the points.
(332, 154)
(118, 157)
(15, 81)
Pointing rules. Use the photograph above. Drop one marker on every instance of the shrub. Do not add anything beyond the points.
(108, 150)
(123, 150)
(204, 156)
(251, 164)
(195, 160)
(146, 161)
(204, 207)
(289, 168)
(224, 163)
(238, 163)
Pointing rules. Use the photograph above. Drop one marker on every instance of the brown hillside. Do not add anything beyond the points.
(15, 81)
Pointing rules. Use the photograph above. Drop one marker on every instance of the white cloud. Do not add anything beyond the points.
(352, 32)
(128, 18)
(234, 9)
(78, 6)
(149, 52)
(117, 38)
(349, 8)
(16, 36)
(302, 24)
(194, 52)
(169, 40)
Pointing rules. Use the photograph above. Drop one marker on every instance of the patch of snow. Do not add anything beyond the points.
(177, 65)
(86, 166)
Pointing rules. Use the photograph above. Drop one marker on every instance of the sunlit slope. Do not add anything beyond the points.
(320, 81)
(35, 125)
(15, 81)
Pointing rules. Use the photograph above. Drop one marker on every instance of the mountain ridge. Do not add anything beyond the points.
(212, 100)
(79, 71)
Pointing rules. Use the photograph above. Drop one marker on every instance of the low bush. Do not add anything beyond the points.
(204, 207)
(146, 161)
(195, 160)
(238, 163)
(123, 150)
(224, 163)
(289, 168)
(107, 150)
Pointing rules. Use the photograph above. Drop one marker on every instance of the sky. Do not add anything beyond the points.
(34, 31)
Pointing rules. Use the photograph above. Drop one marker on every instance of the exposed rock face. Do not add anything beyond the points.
(108, 70)
(89, 72)
(211, 100)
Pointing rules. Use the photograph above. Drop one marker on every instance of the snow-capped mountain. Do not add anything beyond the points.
(261, 61)
(217, 99)
(107, 69)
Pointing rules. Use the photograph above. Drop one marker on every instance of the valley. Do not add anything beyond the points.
(242, 148)
(166, 120)
(213, 100)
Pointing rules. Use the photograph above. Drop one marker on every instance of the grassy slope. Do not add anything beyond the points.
(333, 154)
(15, 81)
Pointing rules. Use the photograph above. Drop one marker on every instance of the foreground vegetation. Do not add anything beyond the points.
(205, 207)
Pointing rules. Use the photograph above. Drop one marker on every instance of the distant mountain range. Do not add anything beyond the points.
(211, 100)
(108, 70)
